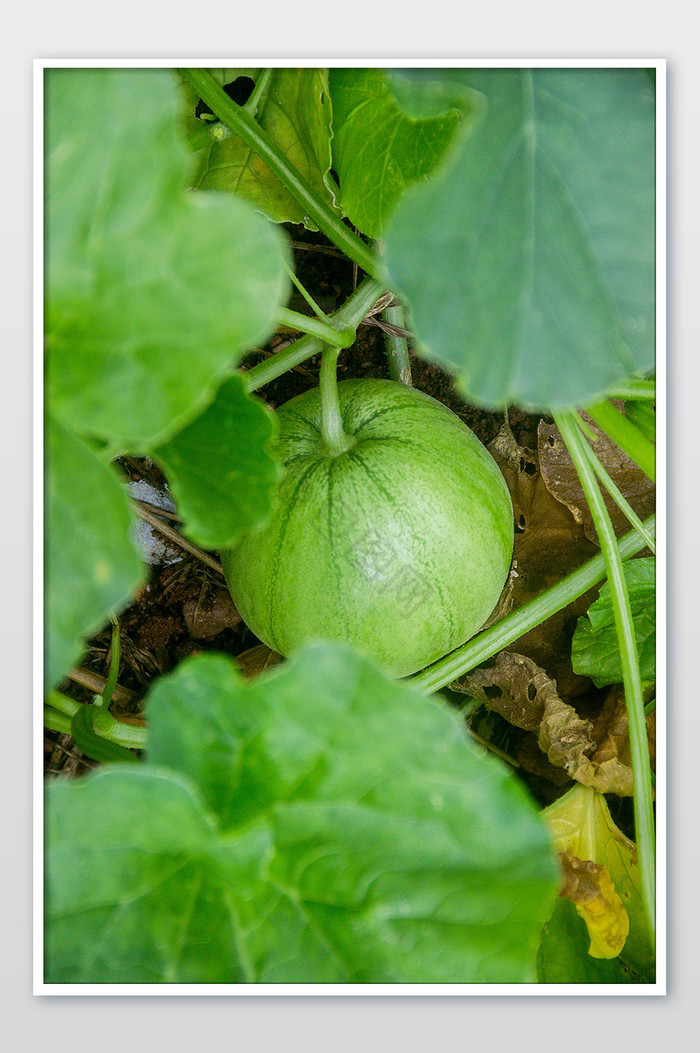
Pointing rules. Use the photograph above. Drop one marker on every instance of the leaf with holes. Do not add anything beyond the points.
(294, 111)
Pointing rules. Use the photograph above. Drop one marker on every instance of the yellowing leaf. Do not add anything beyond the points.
(590, 888)
(607, 920)
(581, 825)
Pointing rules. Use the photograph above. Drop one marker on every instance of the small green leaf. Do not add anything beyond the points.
(152, 293)
(92, 567)
(378, 151)
(295, 113)
(320, 824)
(594, 648)
(643, 416)
(528, 264)
(219, 467)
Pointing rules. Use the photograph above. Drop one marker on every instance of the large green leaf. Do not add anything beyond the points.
(321, 824)
(219, 468)
(528, 265)
(152, 293)
(378, 151)
(294, 111)
(91, 565)
(595, 649)
(134, 890)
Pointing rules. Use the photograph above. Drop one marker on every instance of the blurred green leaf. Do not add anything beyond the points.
(595, 651)
(91, 565)
(427, 92)
(320, 824)
(219, 467)
(152, 293)
(528, 264)
(378, 150)
(296, 115)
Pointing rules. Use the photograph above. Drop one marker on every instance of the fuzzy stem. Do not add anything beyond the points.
(111, 682)
(306, 294)
(351, 314)
(304, 323)
(639, 746)
(634, 388)
(59, 707)
(397, 346)
(259, 94)
(335, 439)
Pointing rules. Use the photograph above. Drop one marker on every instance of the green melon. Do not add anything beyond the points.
(399, 546)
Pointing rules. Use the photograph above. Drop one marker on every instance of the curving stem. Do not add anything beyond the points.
(334, 437)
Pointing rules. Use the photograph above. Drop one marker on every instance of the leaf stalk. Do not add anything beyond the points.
(334, 437)
(639, 746)
(242, 124)
(513, 626)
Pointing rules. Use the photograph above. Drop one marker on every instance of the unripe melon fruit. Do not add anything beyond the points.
(399, 546)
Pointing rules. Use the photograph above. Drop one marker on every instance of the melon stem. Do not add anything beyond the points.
(334, 438)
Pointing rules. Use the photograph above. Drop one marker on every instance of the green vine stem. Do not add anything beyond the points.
(59, 711)
(304, 323)
(335, 439)
(111, 683)
(397, 346)
(628, 437)
(350, 314)
(306, 294)
(635, 388)
(56, 721)
(513, 626)
(260, 92)
(239, 121)
(639, 746)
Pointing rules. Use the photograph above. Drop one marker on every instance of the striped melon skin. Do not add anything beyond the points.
(400, 546)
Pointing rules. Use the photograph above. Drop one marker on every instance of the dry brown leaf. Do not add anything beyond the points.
(549, 544)
(256, 660)
(513, 686)
(562, 480)
(531, 759)
(611, 733)
(593, 752)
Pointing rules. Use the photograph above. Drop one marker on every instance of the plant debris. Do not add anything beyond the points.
(561, 478)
